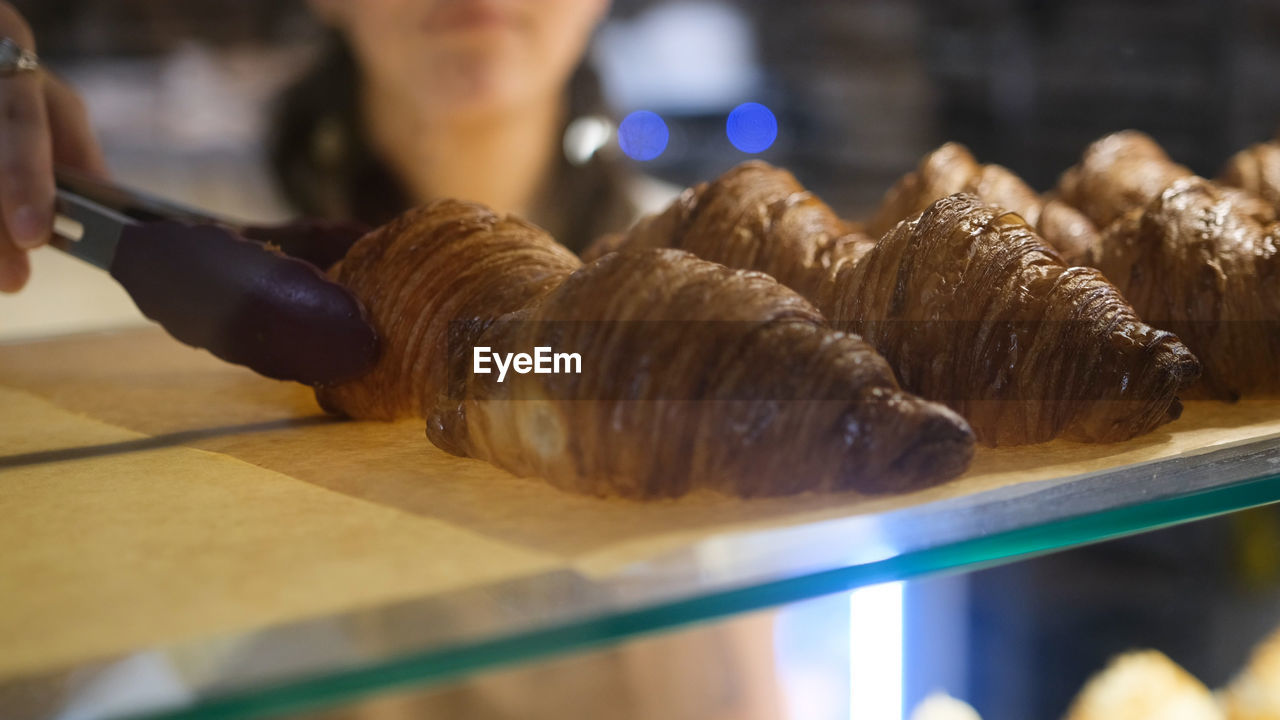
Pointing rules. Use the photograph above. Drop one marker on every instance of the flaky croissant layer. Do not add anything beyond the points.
(692, 375)
(973, 310)
(969, 306)
(1119, 172)
(1192, 256)
(1204, 261)
(432, 278)
(1256, 170)
(952, 169)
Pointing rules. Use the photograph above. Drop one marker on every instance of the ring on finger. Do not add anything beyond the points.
(14, 59)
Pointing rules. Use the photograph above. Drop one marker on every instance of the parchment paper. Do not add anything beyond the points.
(150, 493)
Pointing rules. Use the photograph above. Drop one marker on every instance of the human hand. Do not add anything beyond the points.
(42, 122)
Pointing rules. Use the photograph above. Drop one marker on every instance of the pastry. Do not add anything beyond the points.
(1121, 172)
(968, 305)
(691, 375)
(952, 169)
(972, 309)
(433, 278)
(941, 706)
(1256, 170)
(1144, 685)
(754, 217)
(1192, 256)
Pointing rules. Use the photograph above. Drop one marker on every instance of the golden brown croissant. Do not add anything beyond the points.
(754, 217)
(946, 171)
(691, 374)
(1192, 256)
(1118, 173)
(972, 309)
(952, 169)
(1201, 260)
(966, 302)
(434, 277)
(1256, 170)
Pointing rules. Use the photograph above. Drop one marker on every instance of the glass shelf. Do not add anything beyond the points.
(159, 444)
(316, 663)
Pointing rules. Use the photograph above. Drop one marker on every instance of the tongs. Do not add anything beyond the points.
(254, 296)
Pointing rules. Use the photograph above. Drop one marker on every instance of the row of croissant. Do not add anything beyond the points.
(1148, 685)
(750, 341)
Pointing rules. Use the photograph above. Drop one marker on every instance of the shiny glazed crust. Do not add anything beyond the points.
(1256, 170)
(432, 280)
(1201, 260)
(693, 375)
(754, 217)
(1118, 173)
(969, 306)
(952, 169)
(972, 309)
(1192, 256)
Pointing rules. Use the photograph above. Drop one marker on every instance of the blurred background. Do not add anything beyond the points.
(181, 92)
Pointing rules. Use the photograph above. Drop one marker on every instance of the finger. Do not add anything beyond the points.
(14, 267)
(74, 143)
(26, 158)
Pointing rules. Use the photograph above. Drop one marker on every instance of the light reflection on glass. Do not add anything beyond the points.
(875, 652)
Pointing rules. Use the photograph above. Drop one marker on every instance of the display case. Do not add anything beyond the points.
(186, 539)
(418, 568)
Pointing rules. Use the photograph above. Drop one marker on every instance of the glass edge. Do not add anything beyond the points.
(444, 664)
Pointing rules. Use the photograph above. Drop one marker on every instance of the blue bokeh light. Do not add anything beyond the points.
(643, 135)
(752, 128)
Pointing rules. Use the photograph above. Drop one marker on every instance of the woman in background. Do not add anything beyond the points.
(412, 100)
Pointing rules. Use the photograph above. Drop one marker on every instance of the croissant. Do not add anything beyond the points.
(1192, 256)
(1256, 170)
(433, 278)
(973, 310)
(968, 305)
(952, 169)
(1121, 172)
(691, 375)
(754, 217)
(1201, 260)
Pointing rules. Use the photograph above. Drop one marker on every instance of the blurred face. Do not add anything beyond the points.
(463, 56)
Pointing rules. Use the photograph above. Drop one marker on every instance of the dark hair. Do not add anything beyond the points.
(323, 162)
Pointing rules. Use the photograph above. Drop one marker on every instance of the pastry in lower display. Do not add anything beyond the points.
(952, 169)
(689, 374)
(1144, 685)
(970, 307)
(1254, 694)
(1256, 170)
(941, 706)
